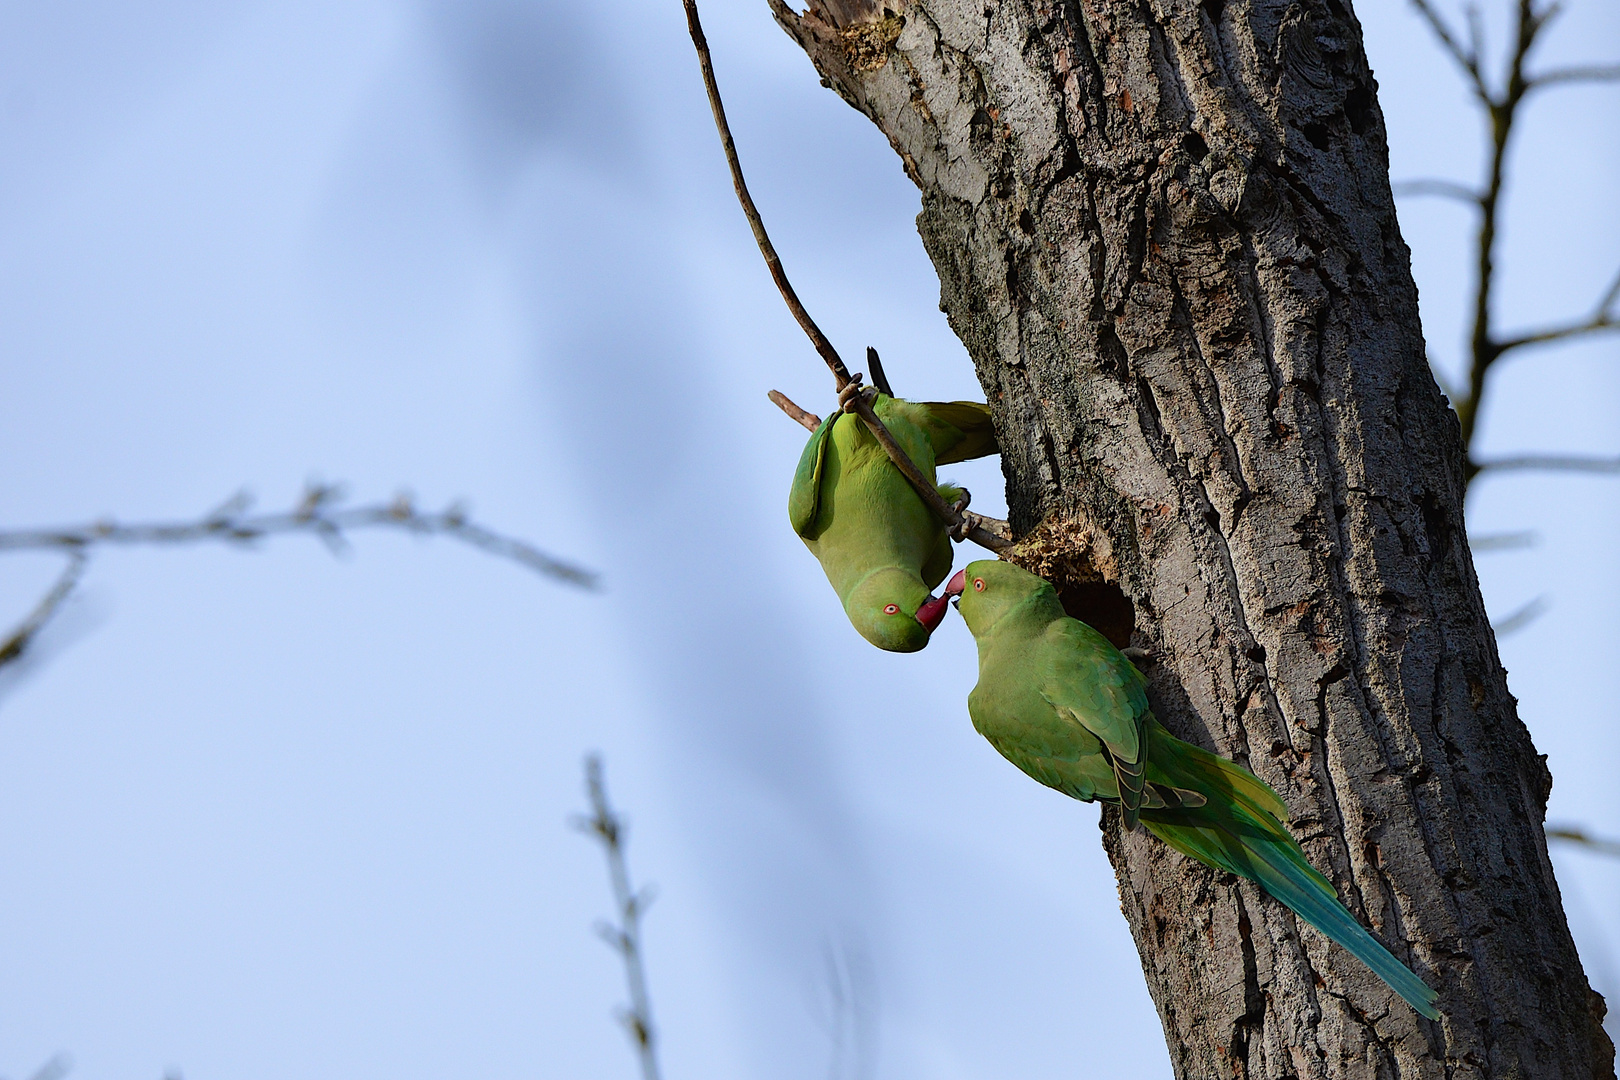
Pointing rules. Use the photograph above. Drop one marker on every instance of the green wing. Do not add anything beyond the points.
(959, 430)
(804, 501)
(1088, 682)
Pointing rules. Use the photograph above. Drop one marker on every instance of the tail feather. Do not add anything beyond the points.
(1240, 832)
(1181, 764)
(1278, 865)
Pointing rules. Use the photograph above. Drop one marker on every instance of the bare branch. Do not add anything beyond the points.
(1467, 59)
(1600, 324)
(1476, 31)
(13, 647)
(624, 937)
(809, 419)
(1572, 835)
(1550, 463)
(1592, 74)
(989, 533)
(1603, 318)
(1521, 618)
(317, 513)
(1502, 111)
(1502, 542)
(772, 261)
(960, 524)
(56, 1068)
(1448, 189)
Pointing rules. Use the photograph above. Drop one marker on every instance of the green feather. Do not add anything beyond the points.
(877, 541)
(959, 430)
(1061, 703)
(804, 500)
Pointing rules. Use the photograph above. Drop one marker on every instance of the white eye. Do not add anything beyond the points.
(891, 609)
(978, 584)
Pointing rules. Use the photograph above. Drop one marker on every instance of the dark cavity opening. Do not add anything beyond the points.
(1195, 145)
(1358, 108)
(1102, 606)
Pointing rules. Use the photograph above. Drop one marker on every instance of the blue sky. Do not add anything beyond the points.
(272, 813)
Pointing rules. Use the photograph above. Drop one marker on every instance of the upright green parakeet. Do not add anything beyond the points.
(1061, 703)
(880, 545)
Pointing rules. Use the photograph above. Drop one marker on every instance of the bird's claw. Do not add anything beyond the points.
(854, 391)
(964, 520)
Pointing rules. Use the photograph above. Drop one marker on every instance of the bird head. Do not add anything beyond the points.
(988, 589)
(892, 609)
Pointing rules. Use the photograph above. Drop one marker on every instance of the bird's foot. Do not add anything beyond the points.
(852, 392)
(964, 520)
(1139, 656)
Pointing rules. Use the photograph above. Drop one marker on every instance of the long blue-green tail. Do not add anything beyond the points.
(1238, 830)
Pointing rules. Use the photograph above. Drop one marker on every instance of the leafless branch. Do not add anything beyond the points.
(1570, 835)
(1467, 58)
(1594, 73)
(987, 532)
(1501, 541)
(54, 1069)
(1448, 189)
(809, 419)
(1501, 108)
(766, 248)
(318, 513)
(1603, 318)
(990, 533)
(13, 647)
(1521, 618)
(1550, 463)
(624, 937)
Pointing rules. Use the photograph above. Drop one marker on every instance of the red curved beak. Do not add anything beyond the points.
(932, 613)
(957, 584)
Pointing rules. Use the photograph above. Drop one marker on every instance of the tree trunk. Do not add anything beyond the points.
(1164, 231)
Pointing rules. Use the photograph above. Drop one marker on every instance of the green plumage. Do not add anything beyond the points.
(878, 542)
(1061, 703)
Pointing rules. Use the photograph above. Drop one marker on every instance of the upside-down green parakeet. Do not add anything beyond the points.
(1061, 703)
(880, 545)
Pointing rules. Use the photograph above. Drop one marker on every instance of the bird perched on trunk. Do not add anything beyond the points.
(880, 545)
(1061, 703)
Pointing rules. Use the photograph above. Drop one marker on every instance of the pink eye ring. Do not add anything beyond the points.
(978, 584)
(891, 609)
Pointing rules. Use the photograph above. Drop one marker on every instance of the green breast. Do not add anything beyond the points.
(1008, 709)
(869, 516)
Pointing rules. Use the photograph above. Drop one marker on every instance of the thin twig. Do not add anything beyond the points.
(778, 275)
(624, 937)
(317, 514)
(1574, 75)
(1513, 541)
(17, 643)
(809, 419)
(1468, 59)
(1501, 108)
(1602, 318)
(961, 524)
(1572, 835)
(57, 1067)
(1448, 189)
(1521, 618)
(1550, 463)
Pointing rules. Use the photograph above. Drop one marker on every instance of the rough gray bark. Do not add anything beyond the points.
(1164, 231)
